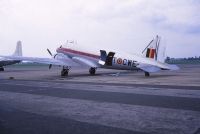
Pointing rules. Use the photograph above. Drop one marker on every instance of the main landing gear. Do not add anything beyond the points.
(1, 69)
(92, 71)
(147, 74)
(65, 71)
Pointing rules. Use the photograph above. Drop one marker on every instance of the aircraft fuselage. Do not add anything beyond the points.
(116, 62)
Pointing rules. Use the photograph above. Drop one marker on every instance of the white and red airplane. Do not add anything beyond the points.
(71, 55)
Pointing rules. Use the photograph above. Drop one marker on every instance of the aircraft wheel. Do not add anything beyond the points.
(147, 74)
(92, 71)
(1, 69)
(64, 72)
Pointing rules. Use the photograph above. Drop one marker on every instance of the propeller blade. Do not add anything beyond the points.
(50, 66)
(49, 52)
(55, 56)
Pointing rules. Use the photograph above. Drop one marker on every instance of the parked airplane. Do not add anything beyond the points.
(70, 56)
(7, 61)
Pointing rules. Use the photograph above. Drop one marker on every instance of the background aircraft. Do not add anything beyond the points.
(6, 61)
(72, 55)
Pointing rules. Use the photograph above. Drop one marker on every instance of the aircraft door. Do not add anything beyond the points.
(106, 59)
(109, 58)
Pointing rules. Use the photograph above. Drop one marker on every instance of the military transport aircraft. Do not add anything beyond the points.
(8, 61)
(71, 55)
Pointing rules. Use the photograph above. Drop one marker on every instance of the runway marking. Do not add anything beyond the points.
(131, 117)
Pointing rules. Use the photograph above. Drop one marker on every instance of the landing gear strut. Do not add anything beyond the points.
(146, 74)
(92, 71)
(1, 69)
(65, 71)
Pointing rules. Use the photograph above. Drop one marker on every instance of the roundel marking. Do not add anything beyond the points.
(119, 61)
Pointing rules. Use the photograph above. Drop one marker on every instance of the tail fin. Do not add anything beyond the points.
(151, 51)
(18, 50)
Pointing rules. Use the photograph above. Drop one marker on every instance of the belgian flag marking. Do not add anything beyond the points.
(150, 53)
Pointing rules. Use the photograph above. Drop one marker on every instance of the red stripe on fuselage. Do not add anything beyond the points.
(66, 50)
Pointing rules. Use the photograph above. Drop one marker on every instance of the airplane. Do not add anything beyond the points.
(72, 55)
(7, 61)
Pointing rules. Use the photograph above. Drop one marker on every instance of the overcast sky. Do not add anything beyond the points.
(126, 25)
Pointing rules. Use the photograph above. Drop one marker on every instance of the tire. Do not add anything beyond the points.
(147, 74)
(92, 71)
(64, 72)
(1, 69)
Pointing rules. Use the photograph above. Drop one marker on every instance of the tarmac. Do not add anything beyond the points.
(36, 100)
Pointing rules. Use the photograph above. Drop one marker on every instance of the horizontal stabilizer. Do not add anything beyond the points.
(154, 66)
(149, 68)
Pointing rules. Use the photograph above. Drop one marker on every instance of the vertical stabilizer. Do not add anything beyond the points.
(151, 51)
(18, 50)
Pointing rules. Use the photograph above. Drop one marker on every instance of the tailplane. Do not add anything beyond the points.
(18, 50)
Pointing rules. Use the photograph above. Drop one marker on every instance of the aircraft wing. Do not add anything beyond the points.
(60, 61)
(85, 62)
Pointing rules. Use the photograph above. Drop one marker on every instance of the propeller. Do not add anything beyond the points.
(49, 52)
(50, 66)
(51, 55)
